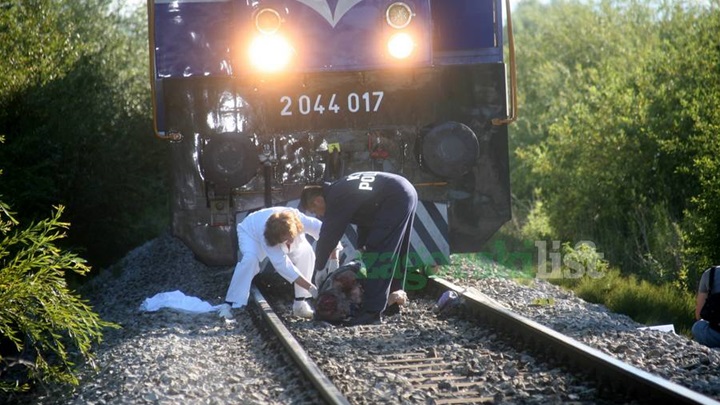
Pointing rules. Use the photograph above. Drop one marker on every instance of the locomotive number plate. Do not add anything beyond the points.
(333, 103)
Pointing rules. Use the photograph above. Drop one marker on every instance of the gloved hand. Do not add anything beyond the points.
(224, 311)
(313, 291)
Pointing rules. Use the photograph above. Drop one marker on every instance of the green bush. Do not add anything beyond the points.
(75, 108)
(621, 153)
(45, 327)
(537, 225)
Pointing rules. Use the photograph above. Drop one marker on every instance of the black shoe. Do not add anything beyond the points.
(366, 318)
(393, 309)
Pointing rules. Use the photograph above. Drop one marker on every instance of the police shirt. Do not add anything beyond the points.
(354, 199)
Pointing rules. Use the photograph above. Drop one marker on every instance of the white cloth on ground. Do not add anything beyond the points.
(179, 301)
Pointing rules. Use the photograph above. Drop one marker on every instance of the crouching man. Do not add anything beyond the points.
(382, 206)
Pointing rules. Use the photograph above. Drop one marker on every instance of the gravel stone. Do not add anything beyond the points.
(169, 357)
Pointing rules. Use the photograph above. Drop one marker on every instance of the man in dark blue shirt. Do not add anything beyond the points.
(382, 206)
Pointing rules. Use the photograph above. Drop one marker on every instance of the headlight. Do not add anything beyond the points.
(270, 53)
(400, 45)
(398, 15)
(267, 21)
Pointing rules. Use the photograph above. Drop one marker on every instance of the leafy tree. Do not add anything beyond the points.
(686, 122)
(74, 104)
(558, 46)
(617, 139)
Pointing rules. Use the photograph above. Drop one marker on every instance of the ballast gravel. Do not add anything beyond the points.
(170, 357)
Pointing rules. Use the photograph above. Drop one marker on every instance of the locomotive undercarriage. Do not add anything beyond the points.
(249, 143)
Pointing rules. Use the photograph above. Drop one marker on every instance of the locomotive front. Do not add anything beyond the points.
(259, 98)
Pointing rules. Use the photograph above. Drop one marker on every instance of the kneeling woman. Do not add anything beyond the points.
(277, 233)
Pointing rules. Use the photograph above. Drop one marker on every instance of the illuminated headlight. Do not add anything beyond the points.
(400, 45)
(398, 15)
(270, 53)
(267, 21)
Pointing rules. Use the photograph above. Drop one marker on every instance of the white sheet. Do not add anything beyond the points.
(178, 301)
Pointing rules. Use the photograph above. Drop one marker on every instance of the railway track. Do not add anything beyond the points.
(414, 365)
(608, 371)
(325, 387)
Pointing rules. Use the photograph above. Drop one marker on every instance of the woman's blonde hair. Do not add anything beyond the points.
(281, 226)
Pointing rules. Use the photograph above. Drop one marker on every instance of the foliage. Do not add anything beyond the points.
(537, 226)
(41, 320)
(685, 91)
(618, 132)
(584, 259)
(74, 105)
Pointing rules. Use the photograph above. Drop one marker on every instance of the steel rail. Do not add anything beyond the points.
(327, 389)
(639, 383)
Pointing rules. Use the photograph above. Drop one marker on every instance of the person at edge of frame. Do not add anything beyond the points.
(382, 206)
(703, 331)
(277, 233)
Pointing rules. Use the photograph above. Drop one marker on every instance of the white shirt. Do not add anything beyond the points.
(253, 226)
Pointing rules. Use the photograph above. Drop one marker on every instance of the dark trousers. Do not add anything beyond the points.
(387, 244)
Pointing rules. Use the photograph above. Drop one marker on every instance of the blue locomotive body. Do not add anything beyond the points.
(261, 97)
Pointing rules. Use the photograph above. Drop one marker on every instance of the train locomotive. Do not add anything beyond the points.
(258, 98)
